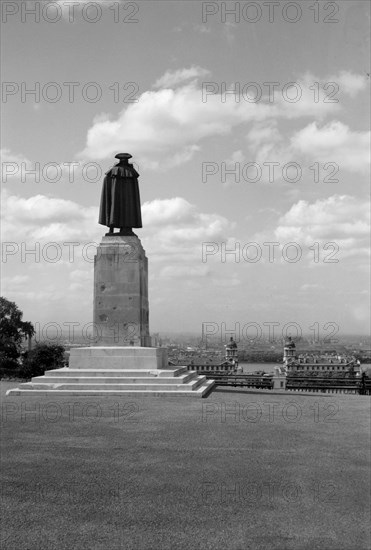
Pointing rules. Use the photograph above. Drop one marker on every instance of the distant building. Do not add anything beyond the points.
(289, 353)
(231, 354)
(321, 363)
(206, 361)
(202, 366)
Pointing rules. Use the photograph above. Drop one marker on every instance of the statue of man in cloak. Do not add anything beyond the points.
(120, 200)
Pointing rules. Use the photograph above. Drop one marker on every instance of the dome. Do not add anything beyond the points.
(289, 343)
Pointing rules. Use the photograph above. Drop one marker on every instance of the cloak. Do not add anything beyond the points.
(120, 200)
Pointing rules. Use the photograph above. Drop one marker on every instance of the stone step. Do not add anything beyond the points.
(183, 379)
(185, 391)
(42, 384)
(199, 381)
(156, 387)
(130, 373)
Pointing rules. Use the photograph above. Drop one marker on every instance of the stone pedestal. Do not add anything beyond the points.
(122, 358)
(119, 371)
(121, 293)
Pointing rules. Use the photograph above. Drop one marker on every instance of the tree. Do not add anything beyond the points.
(12, 332)
(43, 357)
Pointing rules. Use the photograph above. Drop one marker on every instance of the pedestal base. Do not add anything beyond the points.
(123, 358)
(104, 371)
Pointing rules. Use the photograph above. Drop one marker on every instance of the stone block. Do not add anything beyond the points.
(122, 358)
(121, 312)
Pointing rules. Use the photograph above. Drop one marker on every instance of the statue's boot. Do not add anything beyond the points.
(126, 231)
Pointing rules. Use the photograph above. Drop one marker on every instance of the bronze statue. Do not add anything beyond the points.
(120, 200)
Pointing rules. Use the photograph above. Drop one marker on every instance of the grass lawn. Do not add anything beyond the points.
(239, 470)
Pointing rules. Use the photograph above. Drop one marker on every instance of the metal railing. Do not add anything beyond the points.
(315, 384)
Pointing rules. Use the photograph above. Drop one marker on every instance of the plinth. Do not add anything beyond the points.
(121, 293)
(121, 361)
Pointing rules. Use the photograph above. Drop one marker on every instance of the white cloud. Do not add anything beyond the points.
(42, 218)
(173, 233)
(236, 156)
(266, 144)
(174, 230)
(334, 142)
(16, 168)
(167, 211)
(263, 132)
(301, 100)
(6, 155)
(310, 95)
(11, 164)
(349, 83)
(167, 126)
(342, 219)
(172, 78)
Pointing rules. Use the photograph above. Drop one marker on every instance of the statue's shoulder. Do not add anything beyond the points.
(122, 172)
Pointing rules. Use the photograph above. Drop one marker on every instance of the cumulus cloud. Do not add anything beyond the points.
(11, 164)
(342, 219)
(6, 155)
(167, 126)
(265, 143)
(304, 98)
(167, 211)
(173, 231)
(42, 218)
(17, 168)
(334, 142)
(311, 95)
(172, 78)
(172, 236)
(349, 83)
(236, 156)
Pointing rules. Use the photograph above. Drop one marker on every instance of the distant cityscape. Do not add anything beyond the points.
(185, 347)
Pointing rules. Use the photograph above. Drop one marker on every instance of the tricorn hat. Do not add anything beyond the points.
(123, 156)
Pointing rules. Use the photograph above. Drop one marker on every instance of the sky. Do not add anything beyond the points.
(248, 123)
